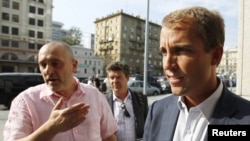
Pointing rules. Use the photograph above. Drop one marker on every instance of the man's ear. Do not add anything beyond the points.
(75, 64)
(217, 55)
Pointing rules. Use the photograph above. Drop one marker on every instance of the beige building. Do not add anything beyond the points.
(228, 62)
(25, 27)
(88, 64)
(121, 37)
(243, 67)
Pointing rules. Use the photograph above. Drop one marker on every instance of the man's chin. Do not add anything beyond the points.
(177, 91)
(53, 87)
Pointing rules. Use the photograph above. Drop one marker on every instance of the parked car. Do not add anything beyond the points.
(11, 84)
(137, 86)
(83, 79)
(151, 80)
(166, 88)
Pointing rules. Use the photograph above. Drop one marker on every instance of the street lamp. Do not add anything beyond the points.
(146, 51)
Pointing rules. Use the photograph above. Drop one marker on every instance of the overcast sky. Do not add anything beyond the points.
(83, 13)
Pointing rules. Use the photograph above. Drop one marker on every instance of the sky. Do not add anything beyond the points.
(83, 13)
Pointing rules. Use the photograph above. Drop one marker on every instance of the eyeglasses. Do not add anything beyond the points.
(123, 107)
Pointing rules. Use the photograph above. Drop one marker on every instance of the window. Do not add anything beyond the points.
(32, 21)
(32, 9)
(5, 16)
(31, 69)
(31, 46)
(39, 35)
(14, 44)
(5, 29)
(40, 11)
(14, 31)
(6, 3)
(40, 23)
(15, 5)
(31, 33)
(5, 43)
(41, 1)
(15, 18)
(39, 46)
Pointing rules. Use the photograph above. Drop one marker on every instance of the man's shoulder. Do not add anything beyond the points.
(108, 95)
(170, 99)
(139, 95)
(240, 102)
(228, 96)
(34, 89)
(32, 93)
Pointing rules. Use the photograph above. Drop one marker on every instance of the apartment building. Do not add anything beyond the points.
(25, 27)
(228, 62)
(89, 65)
(121, 37)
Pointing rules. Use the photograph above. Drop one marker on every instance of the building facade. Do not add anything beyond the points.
(25, 27)
(228, 64)
(243, 67)
(121, 37)
(89, 65)
(57, 31)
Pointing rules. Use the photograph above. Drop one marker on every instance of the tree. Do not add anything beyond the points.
(74, 36)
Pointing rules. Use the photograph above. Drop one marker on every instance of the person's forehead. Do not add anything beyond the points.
(116, 72)
(60, 50)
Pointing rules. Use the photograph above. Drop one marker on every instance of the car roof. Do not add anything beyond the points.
(131, 81)
(18, 73)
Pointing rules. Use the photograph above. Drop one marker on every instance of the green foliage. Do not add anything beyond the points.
(74, 36)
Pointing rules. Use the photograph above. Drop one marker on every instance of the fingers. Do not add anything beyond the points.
(58, 104)
(76, 111)
(82, 107)
(78, 116)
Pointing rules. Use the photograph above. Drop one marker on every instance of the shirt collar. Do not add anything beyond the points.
(115, 98)
(207, 106)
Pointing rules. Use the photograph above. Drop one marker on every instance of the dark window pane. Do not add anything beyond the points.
(31, 33)
(39, 46)
(40, 35)
(5, 29)
(6, 3)
(14, 31)
(40, 11)
(15, 44)
(32, 9)
(40, 23)
(31, 46)
(5, 43)
(15, 5)
(32, 21)
(5, 16)
(15, 18)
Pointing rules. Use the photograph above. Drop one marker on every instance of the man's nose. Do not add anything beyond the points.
(49, 69)
(169, 61)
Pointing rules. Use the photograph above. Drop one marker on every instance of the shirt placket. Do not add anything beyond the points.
(191, 124)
